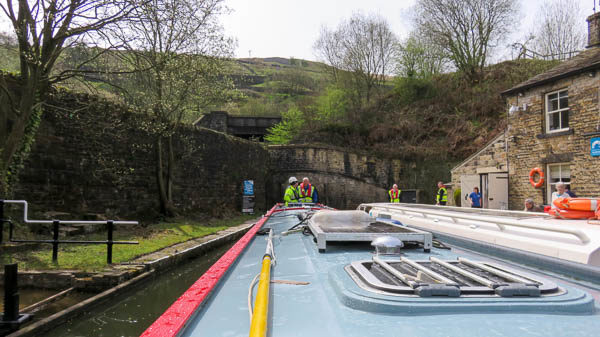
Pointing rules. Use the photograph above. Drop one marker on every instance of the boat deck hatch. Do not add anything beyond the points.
(450, 278)
(328, 226)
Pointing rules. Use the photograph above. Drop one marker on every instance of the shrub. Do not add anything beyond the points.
(457, 195)
(409, 90)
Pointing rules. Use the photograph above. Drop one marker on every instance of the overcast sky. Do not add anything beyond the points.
(286, 28)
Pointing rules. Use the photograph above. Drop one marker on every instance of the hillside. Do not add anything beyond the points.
(263, 86)
(440, 118)
(270, 86)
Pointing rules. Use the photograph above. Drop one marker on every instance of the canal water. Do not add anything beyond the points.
(130, 314)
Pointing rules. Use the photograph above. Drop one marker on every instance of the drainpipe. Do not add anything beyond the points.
(507, 157)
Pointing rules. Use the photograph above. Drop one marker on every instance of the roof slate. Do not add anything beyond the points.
(584, 61)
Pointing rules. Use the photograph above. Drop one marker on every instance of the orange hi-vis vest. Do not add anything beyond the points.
(305, 195)
(394, 196)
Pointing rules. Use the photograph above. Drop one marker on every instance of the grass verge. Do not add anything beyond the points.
(93, 257)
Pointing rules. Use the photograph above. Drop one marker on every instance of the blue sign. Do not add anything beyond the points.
(595, 147)
(248, 187)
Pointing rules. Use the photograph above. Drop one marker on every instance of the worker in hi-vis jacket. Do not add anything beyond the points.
(442, 194)
(291, 193)
(394, 194)
(307, 192)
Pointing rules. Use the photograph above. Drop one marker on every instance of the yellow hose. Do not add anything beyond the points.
(258, 327)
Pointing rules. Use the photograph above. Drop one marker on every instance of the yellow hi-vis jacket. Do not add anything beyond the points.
(290, 195)
(394, 197)
(442, 195)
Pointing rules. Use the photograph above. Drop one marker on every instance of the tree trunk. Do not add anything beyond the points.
(13, 142)
(170, 168)
(166, 206)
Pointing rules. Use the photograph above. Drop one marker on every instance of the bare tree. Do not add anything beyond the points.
(43, 29)
(329, 49)
(363, 45)
(560, 32)
(177, 50)
(467, 29)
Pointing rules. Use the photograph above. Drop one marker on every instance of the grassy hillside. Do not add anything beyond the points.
(269, 86)
(444, 117)
(263, 86)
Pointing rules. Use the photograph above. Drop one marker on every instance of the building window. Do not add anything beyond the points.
(558, 173)
(557, 111)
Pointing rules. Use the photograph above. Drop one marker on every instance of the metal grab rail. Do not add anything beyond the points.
(482, 218)
(66, 222)
(109, 242)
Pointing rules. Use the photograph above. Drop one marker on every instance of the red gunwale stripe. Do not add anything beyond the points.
(173, 320)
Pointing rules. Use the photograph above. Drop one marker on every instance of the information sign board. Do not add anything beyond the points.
(248, 187)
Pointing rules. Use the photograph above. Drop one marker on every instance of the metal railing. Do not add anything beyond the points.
(109, 242)
(500, 223)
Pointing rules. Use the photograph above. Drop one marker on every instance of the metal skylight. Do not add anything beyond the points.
(447, 278)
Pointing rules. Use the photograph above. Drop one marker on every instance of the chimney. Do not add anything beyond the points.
(593, 30)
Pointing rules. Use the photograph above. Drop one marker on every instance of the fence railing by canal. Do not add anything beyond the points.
(55, 241)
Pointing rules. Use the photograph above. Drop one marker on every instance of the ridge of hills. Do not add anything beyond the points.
(440, 117)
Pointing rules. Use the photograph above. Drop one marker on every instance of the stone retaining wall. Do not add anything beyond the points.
(91, 156)
(346, 178)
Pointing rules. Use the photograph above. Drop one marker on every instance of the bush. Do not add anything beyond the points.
(457, 195)
(332, 106)
(283, 132)
(409, 90)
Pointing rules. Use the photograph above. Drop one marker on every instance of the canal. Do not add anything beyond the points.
(130, 314)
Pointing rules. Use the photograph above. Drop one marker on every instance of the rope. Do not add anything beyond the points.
(252, 284)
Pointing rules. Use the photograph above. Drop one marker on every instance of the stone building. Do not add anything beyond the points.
(486, 169)
(554, 125)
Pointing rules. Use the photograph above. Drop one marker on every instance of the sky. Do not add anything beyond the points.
(286, 28)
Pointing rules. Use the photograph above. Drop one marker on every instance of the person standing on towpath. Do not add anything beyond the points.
(442, 194)
(475, 198)
(394, 194)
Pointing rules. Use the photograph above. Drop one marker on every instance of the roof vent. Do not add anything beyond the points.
(387, 245)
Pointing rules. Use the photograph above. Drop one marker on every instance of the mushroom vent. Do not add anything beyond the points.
(387, 245)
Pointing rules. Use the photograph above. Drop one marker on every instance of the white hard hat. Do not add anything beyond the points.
(293, 180)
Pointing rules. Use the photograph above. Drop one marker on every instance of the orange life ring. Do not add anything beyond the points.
(532, 173)
(577, 204)
(568, 214)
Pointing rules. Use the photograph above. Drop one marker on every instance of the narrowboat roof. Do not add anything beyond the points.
(345, 290)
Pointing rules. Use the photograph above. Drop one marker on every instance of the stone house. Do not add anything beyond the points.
(553, 124)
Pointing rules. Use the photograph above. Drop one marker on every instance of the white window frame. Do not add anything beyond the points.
(550, 186)
(559, 111)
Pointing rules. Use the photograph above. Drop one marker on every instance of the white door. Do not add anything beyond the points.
(498, 190)
(467, 182)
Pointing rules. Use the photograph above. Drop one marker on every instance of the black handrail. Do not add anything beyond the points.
(109, 242)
